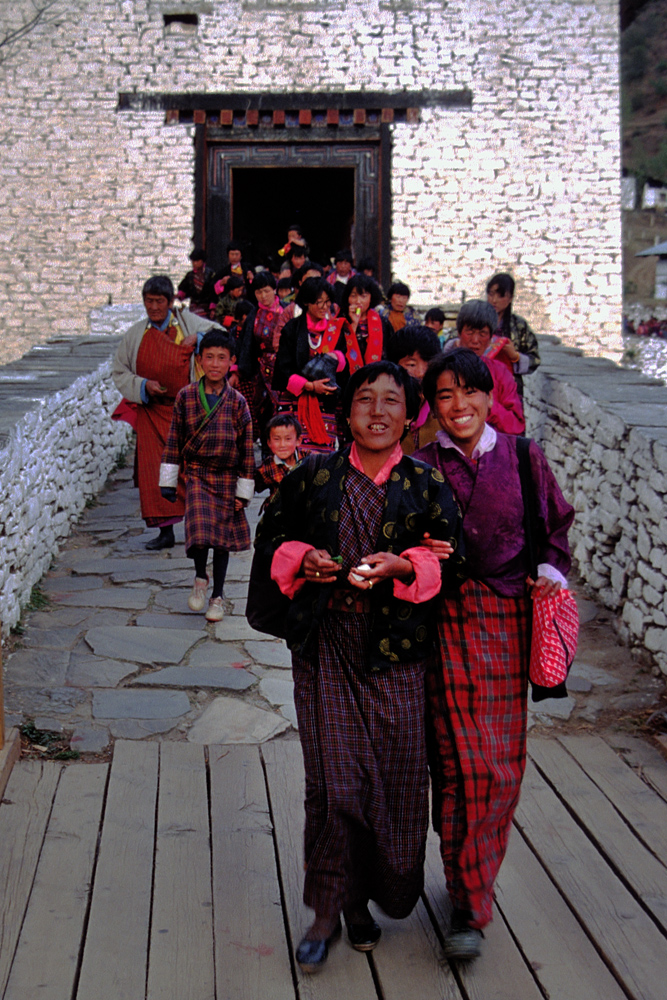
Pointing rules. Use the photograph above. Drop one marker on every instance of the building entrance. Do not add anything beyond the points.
(332, 189)
(266, 200)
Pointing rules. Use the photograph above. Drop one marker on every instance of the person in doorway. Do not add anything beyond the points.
(520, 350)
(474, 324)
(197, 285)
(235, 266)
(397, 310)
(235, 290)
(412, 348)
(210, 440)
(314, 399)
(341, 274)
(257, 345)
(155, 359)
(477, 693)
(359, 628)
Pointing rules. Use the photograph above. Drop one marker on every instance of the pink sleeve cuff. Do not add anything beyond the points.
(295, 384)
(285, 567)
(341, 360)
(219, 287)
(426, 583)
(180, 295)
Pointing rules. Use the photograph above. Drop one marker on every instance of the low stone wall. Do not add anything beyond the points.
(604, 431)
(57, 446)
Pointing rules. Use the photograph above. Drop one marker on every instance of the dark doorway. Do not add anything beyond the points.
(266, 200)
(338, 191)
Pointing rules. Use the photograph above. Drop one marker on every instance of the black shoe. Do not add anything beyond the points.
(311, 955)
(165, 540)
(363, 937)
(462, 942)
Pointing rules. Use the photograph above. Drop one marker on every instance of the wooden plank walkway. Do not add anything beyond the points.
(175, 873)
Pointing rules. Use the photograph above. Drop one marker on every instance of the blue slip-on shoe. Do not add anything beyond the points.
(312, 955)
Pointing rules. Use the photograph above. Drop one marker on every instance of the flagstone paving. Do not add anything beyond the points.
(117, 654)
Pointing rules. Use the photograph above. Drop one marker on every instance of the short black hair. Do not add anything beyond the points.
(235, 281)
(308, 265)
(233, 245)
(295, 227)
(218, 338)
(264, 280)
(466, 368)
(285, 419)
(198, 254)
(371, 373)
(284, 283)
(298, 250)
(398, 288)
(159, 284)
(362, 283)
(343, 255)
(504, 281)
(242, 308)
(414, 339)
(436, 314)
(366, 264)
(311, 290)
(477, 313)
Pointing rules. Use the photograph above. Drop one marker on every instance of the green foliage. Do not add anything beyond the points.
(38, 599)
(91, 502)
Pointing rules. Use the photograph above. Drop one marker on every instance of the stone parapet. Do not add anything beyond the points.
(604, 430)
(57, 446)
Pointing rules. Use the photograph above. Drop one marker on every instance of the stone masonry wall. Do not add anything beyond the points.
(604, 431)
(528, 179)
(54, 456)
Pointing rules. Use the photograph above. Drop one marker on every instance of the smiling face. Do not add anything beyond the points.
(461, 411)
(215, 362)
(283, 442)
(265, 296)
(157, 308)
(378, 415)
(475, 340)
(318, 310)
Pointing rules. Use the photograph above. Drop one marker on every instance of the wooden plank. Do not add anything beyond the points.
(548, 934)
(116, 947)
(48, 951)
(630, 943)
(409, 961)
(348, 972)
(9, 754)
(647, 762)
(500, 973)
(252, 956)
(645, 874)
(181, 945)
(638, 804)
(24, 814)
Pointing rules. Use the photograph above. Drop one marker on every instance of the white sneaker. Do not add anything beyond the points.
(197, 598)
(215, 611)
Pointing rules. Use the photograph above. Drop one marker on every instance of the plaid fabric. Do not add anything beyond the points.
(477, 704)
(168, 363)
(363, 743)
(214, 451)
(364, 749)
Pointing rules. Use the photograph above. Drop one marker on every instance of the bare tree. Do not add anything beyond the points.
(38, 12)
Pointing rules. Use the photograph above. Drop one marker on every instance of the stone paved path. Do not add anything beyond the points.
(118, 654)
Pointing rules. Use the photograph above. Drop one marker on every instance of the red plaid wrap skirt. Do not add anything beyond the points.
(477, 699)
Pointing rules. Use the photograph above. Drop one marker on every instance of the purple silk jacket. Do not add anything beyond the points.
(488, 492)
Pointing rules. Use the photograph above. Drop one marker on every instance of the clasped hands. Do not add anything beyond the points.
(318, 567)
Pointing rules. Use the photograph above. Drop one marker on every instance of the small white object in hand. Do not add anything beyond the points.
(356, 576)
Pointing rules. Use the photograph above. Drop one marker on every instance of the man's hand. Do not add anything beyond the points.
(190, 340)
(233, 380)
(153, 388)
(321, 386)
(542, 587)
(239, 504)
(381, 566)
(318, 567)
(443, 550)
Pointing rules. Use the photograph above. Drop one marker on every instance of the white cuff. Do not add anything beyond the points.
(551, 573)
(522, 366)
(245, 489)
(168, 475)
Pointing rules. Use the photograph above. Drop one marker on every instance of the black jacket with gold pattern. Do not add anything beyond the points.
(305, 508)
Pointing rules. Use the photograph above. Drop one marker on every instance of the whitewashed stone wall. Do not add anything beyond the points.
(604, 431)
(57, 457)
(527, 180)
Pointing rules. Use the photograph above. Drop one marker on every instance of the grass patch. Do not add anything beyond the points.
(38, 599)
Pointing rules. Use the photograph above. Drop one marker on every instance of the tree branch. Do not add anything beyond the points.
(16, 34)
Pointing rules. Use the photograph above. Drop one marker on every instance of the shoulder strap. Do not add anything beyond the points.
(529, 502)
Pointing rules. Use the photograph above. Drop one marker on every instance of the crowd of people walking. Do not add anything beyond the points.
(392, 553)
